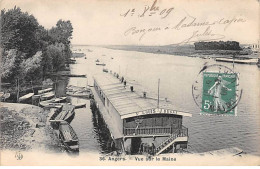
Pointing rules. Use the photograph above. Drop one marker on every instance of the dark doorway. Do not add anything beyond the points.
(135, 145)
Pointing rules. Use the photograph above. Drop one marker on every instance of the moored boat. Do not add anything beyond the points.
(57, 100)
(105, 70)
(53, 102)
(50, 105)
(47, 96)
(25, 97)
(251, 61)
(66, 112)
(79, 93)
(80, 105)
(77, 88)
(45, 90)
(68, 137)
(100, 64)
(71, 61)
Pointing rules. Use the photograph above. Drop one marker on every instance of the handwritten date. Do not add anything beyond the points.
(150, 11)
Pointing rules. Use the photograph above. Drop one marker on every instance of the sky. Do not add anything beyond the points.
(101, 22)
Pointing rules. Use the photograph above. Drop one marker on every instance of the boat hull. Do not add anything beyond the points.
(26, 98)
(77, 106)
(68, 137)
(65, 113)
(47, 97)
(87, 95)
(45, 90)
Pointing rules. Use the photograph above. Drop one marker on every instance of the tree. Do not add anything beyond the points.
(18, 31)
(31, 67)
(54, 59)
(10, 66)
(62, 33)
(29, 50)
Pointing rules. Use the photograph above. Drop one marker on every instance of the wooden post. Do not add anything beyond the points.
(17, 90)
(55, 86)
(32, 90)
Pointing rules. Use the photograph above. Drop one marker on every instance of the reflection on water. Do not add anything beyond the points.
(101, 131)
(177, 74)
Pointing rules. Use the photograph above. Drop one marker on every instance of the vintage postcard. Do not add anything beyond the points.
(129, 82)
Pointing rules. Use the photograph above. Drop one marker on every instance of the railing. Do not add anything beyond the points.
(183, 132)
(155, 130)
(147, 131)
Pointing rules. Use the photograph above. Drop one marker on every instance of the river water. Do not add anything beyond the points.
(177, 74)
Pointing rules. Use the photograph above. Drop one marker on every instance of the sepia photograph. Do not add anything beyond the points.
(130, 83)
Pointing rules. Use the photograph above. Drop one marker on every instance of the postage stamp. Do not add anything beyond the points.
(109, 82)
(216, 90)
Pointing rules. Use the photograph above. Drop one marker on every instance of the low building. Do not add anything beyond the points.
(136, 123)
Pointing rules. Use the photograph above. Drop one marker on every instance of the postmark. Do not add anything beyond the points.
(216, 90)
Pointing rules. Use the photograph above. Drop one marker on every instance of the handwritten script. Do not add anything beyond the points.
(154, 9)
(201, 30)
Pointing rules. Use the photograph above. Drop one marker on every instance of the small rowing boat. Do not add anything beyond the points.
(80, 105)
(83, 93)
(45, 90)
(53, 102)
(47, 96)
(57, 100)
(25, 97)
(105, 70)
(77, 88)
(100, 64)
(68, 137)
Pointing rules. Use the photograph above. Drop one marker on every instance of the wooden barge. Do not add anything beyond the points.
(68, 137)
(65, 112)
(136, 123)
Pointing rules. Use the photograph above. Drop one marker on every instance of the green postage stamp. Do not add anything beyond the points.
(219, 93)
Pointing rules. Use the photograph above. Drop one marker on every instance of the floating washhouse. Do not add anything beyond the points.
(136, 123)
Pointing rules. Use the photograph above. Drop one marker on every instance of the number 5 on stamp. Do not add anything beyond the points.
(219, 92)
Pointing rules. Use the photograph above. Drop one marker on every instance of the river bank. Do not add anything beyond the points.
(183, 50)
(24, 128)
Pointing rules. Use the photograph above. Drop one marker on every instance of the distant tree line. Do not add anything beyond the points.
(29, 50)
(220, 45)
